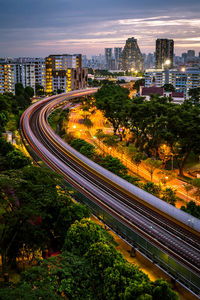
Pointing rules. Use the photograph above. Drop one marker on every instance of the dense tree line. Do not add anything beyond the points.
(153, 122)
(89, 268)
(110, 163)
(11, 107)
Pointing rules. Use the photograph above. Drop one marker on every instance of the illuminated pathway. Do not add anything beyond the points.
(161, 226)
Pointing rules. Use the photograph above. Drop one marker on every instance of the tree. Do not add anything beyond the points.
(152, 165)
(102, 255)
(114, 165)
(5, 147)
(82, 234)
(169, 195)
(152, 188)
(3, 119)
(83, 147)
(195, 95)
(192, 208)
(39, 90)
(138, 84)
(19, 89)
(113, 100)
(28, 92)
(194, 184)
(15, 159)
(137, 159)
(168, 87)
(33, 213)
(163, 291)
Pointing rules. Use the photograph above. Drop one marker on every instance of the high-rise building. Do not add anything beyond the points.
(39, 66)
(131, 58)
(190, 53)
(14, 72)
(108, 57)
(65, 72)
(164, 53)
(117, 54)
(7, 78)
(25, 74)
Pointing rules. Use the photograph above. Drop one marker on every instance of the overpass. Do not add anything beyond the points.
(168, 236)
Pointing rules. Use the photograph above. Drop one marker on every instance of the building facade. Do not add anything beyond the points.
(164, 53)
(65, 72)
(117, 55)
(182, 79)
(131, 58)
(108, 57)
(7, 78)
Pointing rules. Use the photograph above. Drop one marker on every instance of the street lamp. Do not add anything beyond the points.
(167, 62)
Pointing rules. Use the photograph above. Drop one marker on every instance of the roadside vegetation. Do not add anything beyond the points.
(48, 239)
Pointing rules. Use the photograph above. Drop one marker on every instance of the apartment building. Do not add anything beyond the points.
(65, 72)
(7, 78)
(182, 79)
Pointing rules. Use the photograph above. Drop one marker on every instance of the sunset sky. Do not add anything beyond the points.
(43, 27)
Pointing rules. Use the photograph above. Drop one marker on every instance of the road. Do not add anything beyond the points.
(178, 241)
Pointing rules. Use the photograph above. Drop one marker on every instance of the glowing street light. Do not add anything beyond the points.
(74, 126)
(167, 62)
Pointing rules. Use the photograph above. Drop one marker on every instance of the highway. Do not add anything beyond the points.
(105, 189)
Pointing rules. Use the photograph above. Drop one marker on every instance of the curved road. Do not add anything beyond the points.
(176, 240)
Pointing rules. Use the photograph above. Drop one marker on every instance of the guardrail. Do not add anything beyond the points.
(175, 269)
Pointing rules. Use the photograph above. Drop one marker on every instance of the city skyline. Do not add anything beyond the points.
(40, 28)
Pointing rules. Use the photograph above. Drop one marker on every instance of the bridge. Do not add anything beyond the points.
(167, 236)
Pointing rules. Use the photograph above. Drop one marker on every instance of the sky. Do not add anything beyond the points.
(42, 27)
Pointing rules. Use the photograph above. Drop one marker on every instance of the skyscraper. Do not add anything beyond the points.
(164, 52)
(117, 54)
(190, 53)
(108, 57)
(131, 56)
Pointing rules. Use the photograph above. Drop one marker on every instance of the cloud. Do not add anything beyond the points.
(41, 27)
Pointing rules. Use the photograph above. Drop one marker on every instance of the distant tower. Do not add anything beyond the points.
(108, 57)
(190, 53)
(164, 52)
(117, 54)
(132, 56)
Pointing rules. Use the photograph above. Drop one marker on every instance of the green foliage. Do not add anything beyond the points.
(194, 184)
(113, 100)
(192, 208)
(163, 291)
(88, 123)
(83, 147)
(34, 214)
(19, 89)
(152, 188)
(3, 119)
(114, 165)
(169, 196)
(102, 255)
(23, 95)
(120, 279)
(195, 95)
(28, 92)
(168, 87)
(39, 90)
(152, 165)
(5, 147)
(15, 159)
(82, 234)
(25, 291)
(138, 84)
